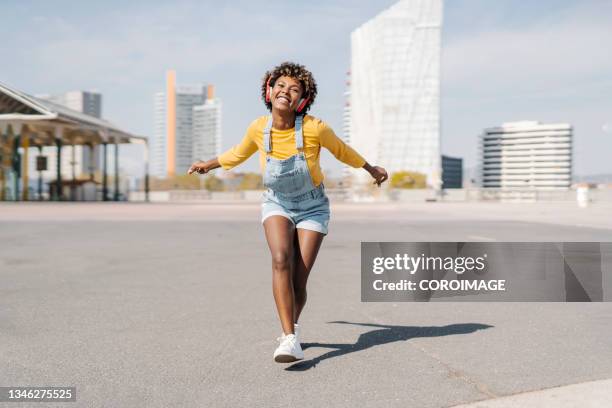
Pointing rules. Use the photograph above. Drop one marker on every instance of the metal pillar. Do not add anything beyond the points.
(25, 134)
(2, 171)
(5, 158)
(116, 196)
(57, 195)
(104, 174)
(40, 176)
(92, 161)
(16, 167)
(73, 169)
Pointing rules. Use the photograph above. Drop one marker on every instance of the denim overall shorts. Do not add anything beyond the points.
(290, 192)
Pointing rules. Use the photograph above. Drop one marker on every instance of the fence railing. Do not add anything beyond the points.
(390, 195)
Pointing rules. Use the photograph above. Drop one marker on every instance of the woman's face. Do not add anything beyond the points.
(286, 94)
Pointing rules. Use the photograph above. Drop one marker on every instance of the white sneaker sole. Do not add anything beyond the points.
(286, 358)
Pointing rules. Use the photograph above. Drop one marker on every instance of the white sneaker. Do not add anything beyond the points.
(296, 331)
(289, 349)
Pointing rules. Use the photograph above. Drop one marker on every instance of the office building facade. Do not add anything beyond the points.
(173, 137)
(207, 128)
(526, 154)
(452, 172)
(395, 89)
(346, 176)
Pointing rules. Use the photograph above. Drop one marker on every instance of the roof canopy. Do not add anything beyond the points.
(46, 121)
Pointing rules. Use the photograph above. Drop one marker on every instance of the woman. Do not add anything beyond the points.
(295, 210)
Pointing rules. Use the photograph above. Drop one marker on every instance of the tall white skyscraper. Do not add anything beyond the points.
(207, 128)
(526, 154)
(172, 151)
(395, 89)
(87, 102)
(346, 128)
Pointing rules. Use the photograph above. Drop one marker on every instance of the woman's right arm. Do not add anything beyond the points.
(203, 167)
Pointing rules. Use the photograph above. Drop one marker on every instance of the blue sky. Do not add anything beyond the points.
(502, 61)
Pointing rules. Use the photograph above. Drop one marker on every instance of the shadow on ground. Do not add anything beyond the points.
(385, 334)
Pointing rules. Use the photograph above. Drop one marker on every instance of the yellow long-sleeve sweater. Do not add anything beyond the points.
(316, 134)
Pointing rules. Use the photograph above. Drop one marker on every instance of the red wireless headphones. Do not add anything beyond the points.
(268, 89)
(301, 105)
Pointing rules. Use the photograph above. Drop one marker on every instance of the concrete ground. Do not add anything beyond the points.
(145, 305)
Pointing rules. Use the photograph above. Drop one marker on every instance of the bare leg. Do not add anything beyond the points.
(280, 234)
(307, 244)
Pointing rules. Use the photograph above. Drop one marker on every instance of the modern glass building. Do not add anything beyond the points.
(526, 154)
(207, 128)
(395, 89)
(346, 133)
(172, 149)
(452, 172)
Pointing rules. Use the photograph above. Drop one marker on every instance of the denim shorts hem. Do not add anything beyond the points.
(312, 226)
(282, 214)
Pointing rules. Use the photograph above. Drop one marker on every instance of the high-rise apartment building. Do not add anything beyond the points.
(526, 154)
(207, 128)
(346, 130)
(173, 141)
(395, 89)
(87, 102)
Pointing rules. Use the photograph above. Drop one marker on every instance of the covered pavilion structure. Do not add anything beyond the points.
(28, 123)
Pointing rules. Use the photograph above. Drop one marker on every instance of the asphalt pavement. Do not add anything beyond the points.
(153, 305)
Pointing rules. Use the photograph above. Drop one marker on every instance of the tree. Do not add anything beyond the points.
(213, 183)
(178, 182)
(408, 179)
(251, 181)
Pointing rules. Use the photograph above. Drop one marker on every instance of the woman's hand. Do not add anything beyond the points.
(199, 167)
(378, 173)
(203, 167)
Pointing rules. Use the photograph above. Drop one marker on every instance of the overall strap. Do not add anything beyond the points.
(299, 135)
(267, 140)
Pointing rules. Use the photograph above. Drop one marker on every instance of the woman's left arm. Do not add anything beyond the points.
(346, 154)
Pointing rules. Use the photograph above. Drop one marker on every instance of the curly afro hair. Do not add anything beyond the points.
(293, 70)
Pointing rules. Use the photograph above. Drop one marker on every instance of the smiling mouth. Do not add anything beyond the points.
(283, 98)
